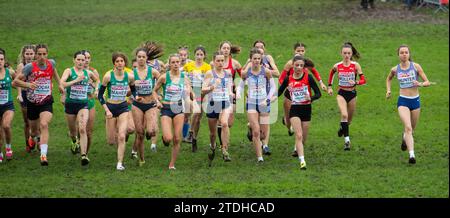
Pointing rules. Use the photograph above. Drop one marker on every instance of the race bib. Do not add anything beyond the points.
(78, 92)
(300, 95)
(144, 87)
(173, 93)
(4, 96)
(118, 92)
(344, 79)
(406, 79)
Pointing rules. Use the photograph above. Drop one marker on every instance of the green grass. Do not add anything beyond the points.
(374, 168)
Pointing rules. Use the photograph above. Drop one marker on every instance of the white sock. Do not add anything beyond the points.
(44, 148)
(347, 139)
(153, 145)
(133, 151)
(260, 159)
(301, 158)
(411, 154)
(8, 146)
(265, 146)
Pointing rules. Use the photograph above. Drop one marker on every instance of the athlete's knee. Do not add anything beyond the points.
(408, 130)
(82, 130)
(176, 140)
(43, 125)
(256, 133)
(121, 137)
(299, 137)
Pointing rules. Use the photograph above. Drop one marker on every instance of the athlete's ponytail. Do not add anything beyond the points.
(154, 49)
(234, 49)
(355, 53)
(309, 63)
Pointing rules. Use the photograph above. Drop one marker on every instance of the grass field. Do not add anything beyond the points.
(374, 168)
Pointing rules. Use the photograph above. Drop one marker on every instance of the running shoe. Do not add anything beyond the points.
(164, 142)
(194, 145)
(31, 144)
(291, 131)
(134, 155)
(148, 136)
(172, 168)
(141, 163)
(211, 155)
(303, 165)
(403, 146)
(44, 161)
(266, 150)
(294, 153)
(120, 167)
(226, 156)
(412, 160)
(347, 146)
(153, 147)
(1, 157)
(73, 147)
(9, 154)
(84, 160)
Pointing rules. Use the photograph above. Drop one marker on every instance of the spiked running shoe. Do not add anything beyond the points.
(226, 156)
(44, 161)
(134, 155)
(303, 165)
(120, 167)
(84, 160)
(30, 145)
(266, 150)
(347, 146)
(412, 160)
(294, 153)
(403, 146)
(153, 147)
(73, 147)
(9, 154)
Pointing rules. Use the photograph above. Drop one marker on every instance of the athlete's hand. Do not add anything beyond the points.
(61, 89)
(19, 98)
(80, 78)
(109, 115)
(129, 101)
(330, 91)
(32, 85)
(139, 98)
(273, 98)
(63, 99)
(323, 87)
(159, 105)
(388, 94)
(352, 82)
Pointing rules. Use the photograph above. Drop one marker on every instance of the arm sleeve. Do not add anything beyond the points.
(330, 78)
(362, 80)
(283, 86)
(101, 92)
(282, 76)
(272, 88)
(133, 91)
(315, 89)
(316, 74)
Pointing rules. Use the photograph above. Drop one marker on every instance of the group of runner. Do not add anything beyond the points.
(178, 93)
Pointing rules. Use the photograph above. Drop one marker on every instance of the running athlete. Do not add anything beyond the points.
(347, 70)
(184, 55)
(299, 49)
(299, 85)
(76, 81)
(408, 104)
(176, 88)
(144, 107)
(217, 85)
(155, 51)
(38, 76)
(269, 64)
(7, 75)
(196, 71)
(92, 95)
(233, 66)
(26, 56)
(117, 81)
(258, 99)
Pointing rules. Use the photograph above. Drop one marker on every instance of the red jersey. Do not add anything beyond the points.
(299, 90)
(43, 79)
(305, 70)
(345, 74)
